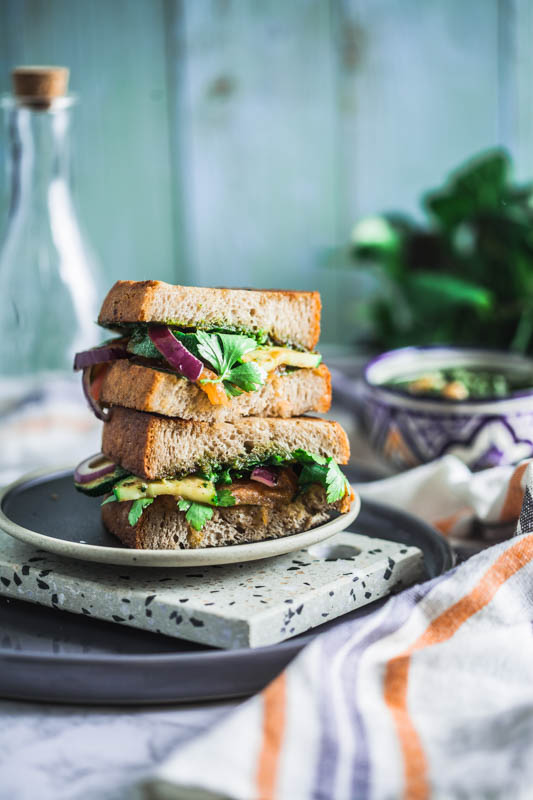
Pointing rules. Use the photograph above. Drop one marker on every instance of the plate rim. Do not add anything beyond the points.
(99, 554)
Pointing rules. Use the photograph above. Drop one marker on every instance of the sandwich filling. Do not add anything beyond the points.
(223, 364)
(274, 481)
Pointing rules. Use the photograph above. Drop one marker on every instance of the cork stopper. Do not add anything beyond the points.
(37, 87)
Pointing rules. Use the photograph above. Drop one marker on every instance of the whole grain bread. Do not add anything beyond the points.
(163, 527)
(155, 447)
(287, 317)
(146, 389)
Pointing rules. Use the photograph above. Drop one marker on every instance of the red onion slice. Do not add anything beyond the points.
(266, 475)
(99, 355)
(175, 353)
(86, 384)
(93, 468)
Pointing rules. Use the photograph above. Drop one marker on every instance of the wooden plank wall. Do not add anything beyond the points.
(236, 141)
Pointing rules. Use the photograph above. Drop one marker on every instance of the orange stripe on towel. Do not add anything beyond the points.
(512, 504)
(446, 524)
(441, 629)
(274, 700)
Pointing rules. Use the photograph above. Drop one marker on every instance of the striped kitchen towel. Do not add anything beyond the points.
(430, 696)
(456, 501)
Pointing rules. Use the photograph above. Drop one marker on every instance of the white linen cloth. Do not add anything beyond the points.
(450, 497)
(428, 696)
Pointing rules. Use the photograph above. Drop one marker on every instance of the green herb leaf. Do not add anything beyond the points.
(224, 498)
(137, 508)
(140, 344)
(313, 473)
(188, 340)
(224, 477)
(234, 348)
(110, 499)
(248, 377)
(304, 457)
(223, 351)
(336, 483)
(210, 350)
(231, 390)
(324, 471)
(196, 513)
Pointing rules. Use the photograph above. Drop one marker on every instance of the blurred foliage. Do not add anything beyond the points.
(465, 276)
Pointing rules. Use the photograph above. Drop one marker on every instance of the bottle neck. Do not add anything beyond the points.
(40, 158)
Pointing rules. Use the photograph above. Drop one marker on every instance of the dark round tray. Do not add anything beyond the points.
(51, 655)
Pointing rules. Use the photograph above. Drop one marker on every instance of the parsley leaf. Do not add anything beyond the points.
(224, 352)
(196, 513)
(137, 508)
(304, 457)
(110, 499)
(231, 390)
(234, 348)
(211, 351)
(325, 471)
(224, 497)
(313, 473)
(248, 377)
(336, 482)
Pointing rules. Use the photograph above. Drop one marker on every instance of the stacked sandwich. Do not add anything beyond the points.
(202, 395)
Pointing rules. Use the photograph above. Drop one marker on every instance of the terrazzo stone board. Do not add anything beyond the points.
(242, 605)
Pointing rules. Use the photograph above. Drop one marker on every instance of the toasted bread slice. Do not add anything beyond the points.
(155, 447)
(163, 527)
(287, 317)
(145, 389)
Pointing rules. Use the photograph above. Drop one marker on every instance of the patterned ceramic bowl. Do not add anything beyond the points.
(408, 430)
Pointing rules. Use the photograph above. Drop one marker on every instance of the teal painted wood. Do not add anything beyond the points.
(418, 94)
(260, 122)
(235, 142)
(117, 55)
(515, 86)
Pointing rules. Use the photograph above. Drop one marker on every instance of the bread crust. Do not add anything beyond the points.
(146, 389)
(163, 527)
(155, 447)
(288, 317)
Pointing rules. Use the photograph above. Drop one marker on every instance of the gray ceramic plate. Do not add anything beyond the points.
(44, 509)
(51, 655)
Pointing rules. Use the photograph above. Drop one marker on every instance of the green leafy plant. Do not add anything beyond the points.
(463, 277)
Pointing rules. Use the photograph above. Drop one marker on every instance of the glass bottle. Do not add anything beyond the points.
(49, 278)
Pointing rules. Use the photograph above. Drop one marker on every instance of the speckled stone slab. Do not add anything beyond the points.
(242, 605)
